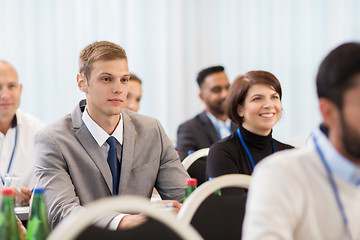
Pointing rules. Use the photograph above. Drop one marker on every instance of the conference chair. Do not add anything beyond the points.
(161, 224)
(195, 164)
(213, 216)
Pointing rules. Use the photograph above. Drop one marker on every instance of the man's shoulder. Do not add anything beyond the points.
(138, 119)
(60, 126)
(135, 115)
(290, 159)
(26, 120)
(199, 119)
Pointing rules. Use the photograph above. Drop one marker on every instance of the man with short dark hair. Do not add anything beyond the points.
(102, 150)
(212, 124)
(209, 126)
(314, 192)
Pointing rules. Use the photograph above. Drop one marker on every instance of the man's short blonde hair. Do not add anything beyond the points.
(99, 51)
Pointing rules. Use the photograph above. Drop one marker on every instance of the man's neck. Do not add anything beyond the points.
(222, 117)
(5, 124)
(108, 123)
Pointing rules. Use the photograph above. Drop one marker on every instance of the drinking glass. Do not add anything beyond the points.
(13, 180)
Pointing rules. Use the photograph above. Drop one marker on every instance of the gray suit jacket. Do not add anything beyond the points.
(74, 171)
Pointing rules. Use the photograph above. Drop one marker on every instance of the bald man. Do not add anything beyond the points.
(17, 130)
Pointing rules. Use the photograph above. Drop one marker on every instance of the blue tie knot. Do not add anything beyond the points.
(111, 141)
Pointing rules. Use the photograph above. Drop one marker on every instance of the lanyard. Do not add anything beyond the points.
(334, 188)
(12, 154)
(247, 150)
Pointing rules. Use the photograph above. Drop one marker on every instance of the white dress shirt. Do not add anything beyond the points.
(339, 165)
(290, 195)
(24, 157)
(100, 137)
(223, 129)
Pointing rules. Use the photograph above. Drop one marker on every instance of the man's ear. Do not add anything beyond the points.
(201, 96)
(82, 83)
(329, 111)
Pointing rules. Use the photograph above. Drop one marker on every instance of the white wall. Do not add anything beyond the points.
(168, 42)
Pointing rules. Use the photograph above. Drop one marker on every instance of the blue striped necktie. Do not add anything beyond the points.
(114, 164)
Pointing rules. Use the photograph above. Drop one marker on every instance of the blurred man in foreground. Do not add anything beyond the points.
(314, 193)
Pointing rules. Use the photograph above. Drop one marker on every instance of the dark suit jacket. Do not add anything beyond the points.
(196, 133)
(74, 170)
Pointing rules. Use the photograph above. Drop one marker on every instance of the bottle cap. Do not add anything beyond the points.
(7, 192)
(190, 152)
(191, 182)
(39, 191)
(211, 178)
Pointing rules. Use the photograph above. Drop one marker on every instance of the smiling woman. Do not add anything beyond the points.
(254, 102)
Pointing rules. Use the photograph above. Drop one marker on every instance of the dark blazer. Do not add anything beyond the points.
(74, 171)
(196, 133)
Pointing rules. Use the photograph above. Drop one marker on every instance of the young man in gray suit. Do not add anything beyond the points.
(101, 150)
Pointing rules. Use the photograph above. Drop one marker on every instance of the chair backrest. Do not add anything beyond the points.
(195, 164)
(217, 217)
(189, 160)
(161, 225)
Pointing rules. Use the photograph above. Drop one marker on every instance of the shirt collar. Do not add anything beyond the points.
(14, 122)
(217, 122)
(339, 165)
(98, 133)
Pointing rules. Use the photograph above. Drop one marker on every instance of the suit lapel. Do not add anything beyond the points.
(210, 129)
(129, 136)
(91, 147)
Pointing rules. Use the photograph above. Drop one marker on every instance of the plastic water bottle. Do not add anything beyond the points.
(217, 192)
(38, 225)
(8, 226)
(191, 184)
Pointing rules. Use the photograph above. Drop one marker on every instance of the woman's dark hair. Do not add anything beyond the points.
(240, 87)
